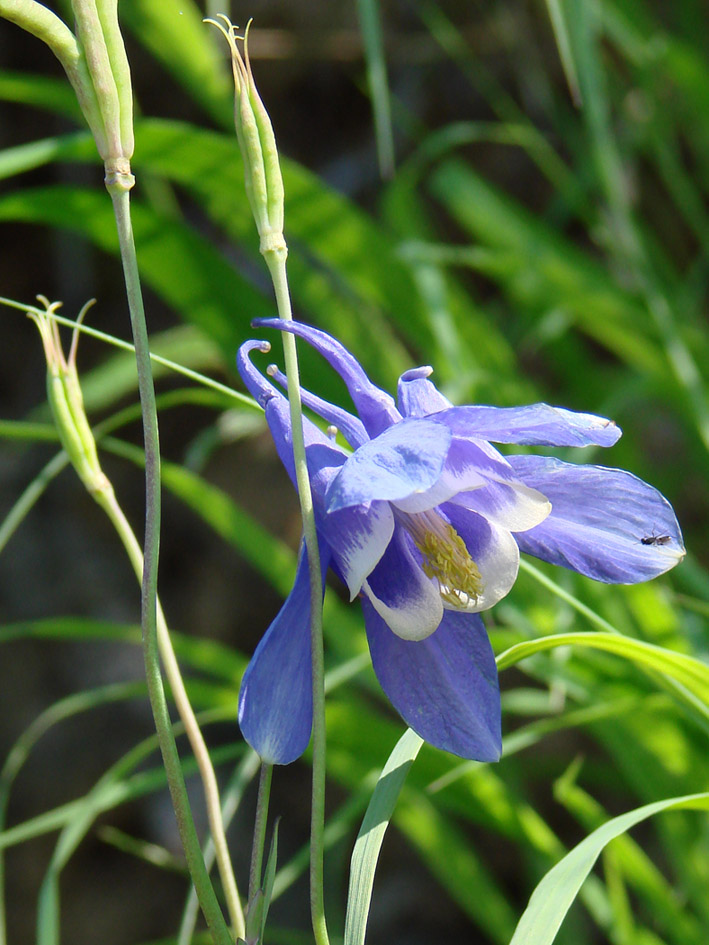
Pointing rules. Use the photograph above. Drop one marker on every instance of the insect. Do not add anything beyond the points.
(656, 540)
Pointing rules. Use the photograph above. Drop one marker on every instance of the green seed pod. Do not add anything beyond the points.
(96, 65)
(254, 132)
(67, 402)
(101, 44)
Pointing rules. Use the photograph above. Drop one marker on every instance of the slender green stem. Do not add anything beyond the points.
(107, 501)
(241, 778)
(276, 261)
(126, 346)
(260, 822)
(564, 595)
(163, 726)
(28, 498)
(662, 678)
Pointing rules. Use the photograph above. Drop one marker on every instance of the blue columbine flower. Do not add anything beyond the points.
(424, 520)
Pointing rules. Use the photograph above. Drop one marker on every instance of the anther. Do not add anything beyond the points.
(446, 559)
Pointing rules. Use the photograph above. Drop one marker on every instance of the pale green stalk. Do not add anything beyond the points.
(260, 822)
(264, 189)
(149, 566)
(66, 401)
(107, 500)
(196, 376)
(276, 261)
(96, 64)
(232, 798)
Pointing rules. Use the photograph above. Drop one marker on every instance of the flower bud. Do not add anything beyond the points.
(66, 400)
(254, 132)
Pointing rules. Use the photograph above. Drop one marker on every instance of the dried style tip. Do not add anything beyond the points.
(254, 132)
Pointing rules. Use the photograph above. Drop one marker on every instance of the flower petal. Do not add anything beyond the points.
(350, 426)
(405, 459)
(535, 425)
(417, 396)
(604, 523)
(259, 388)
(470, 464)
(375, 407)
(358, 538)
(492, 548)
(444, 687)
(275, 699)
(400, 592)
(323, 457)
(321, 452)
(515, 507)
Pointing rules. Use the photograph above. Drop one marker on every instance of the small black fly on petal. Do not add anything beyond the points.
(656, 540)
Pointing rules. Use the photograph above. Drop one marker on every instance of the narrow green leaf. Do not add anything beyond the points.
(268, 878)
(106, 793)
(671, 916)
(28, 430)
(20, 751)
(179, 264)
(41, 91)
(25, 157)
(554, 895)
(204, 654)
(461, 869)
(557, 15)
(173, 32)
(151, 853)
(110, 792)
(370, 24)
(371, 834)
(542, 271)
(30, 494)
(255, 917)
(689, 672)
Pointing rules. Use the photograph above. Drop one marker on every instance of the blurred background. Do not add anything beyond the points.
(523, 204)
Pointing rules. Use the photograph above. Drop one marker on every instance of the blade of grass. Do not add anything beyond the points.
(553, 897)
(17, 756)
(371, 835)
(173, 33)
(115, 790)
(689, 672)
(39, 91)
(633, 864)
(557, 15)
(371, 27)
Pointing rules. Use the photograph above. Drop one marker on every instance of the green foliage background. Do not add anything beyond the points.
(543, 237)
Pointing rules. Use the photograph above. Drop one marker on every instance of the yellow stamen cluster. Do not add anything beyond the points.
(446, 559)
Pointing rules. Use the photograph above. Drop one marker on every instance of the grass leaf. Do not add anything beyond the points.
(371, 834)
(554, 895)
